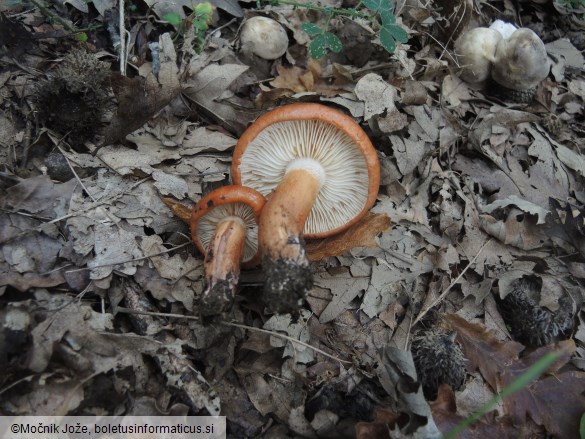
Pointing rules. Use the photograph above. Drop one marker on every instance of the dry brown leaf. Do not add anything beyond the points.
(519, 229)
(300, 80)
(180, 210)
(445, 414)
(378, 428)
(555, 402)
(362, 234)
(289, 79)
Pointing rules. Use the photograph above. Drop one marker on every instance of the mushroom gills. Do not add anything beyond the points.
(222, 265)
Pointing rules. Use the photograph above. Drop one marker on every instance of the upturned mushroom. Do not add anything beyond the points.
(224, 227)
(320, 174)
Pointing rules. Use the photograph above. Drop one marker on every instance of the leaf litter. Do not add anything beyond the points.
(475, 194)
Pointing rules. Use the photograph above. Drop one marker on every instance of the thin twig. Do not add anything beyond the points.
(122, 30)
(131, 260)
(121, 309)
(235, 325)
(444, 293)
(285, 337)
(75, 173)
(217, 29)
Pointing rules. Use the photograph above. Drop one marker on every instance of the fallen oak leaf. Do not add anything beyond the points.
(554, 402)
(444, 410)
(300, 80)
(289, 79)
(361, 234)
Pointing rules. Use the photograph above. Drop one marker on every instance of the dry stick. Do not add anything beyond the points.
(235, 325)
(285, 337)
(444, 293)
(122, 29)
(131, 260)
(75, 173)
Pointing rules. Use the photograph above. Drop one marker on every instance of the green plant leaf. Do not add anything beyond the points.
(389, 34)
(378, 6)
(172, 18)
(82, 36)
(398, 33)
(204, 8)
(321, 43)
(387, 40)
(333, 42)
(311, 29)
(316, 48)
(200, 25)
(387, 18)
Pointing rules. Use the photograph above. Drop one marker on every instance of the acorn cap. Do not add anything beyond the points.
(228, 201)
(299, 135)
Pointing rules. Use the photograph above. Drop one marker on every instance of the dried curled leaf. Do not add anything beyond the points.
(362, 234)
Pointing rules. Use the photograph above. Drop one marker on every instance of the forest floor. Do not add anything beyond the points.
(472, 258)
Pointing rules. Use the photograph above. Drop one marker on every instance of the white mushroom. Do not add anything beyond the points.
(476, 50)
(521, 61)
(263, 37)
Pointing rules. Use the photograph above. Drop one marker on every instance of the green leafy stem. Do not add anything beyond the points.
(378, 12)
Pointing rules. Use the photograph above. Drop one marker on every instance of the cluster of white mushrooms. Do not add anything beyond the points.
(513, 61)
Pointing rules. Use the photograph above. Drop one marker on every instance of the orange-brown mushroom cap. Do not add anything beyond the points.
(232, 200)
(263, 168)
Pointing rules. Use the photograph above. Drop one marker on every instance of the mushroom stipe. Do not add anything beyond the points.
(224, 228)
(286, 282)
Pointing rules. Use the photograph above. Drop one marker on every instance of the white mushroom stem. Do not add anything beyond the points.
(286, 211)
(222, 262)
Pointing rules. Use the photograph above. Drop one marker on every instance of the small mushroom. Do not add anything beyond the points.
(476, 50)
(224, 227)
(264, 37)
(320, 174)
(521, 63)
